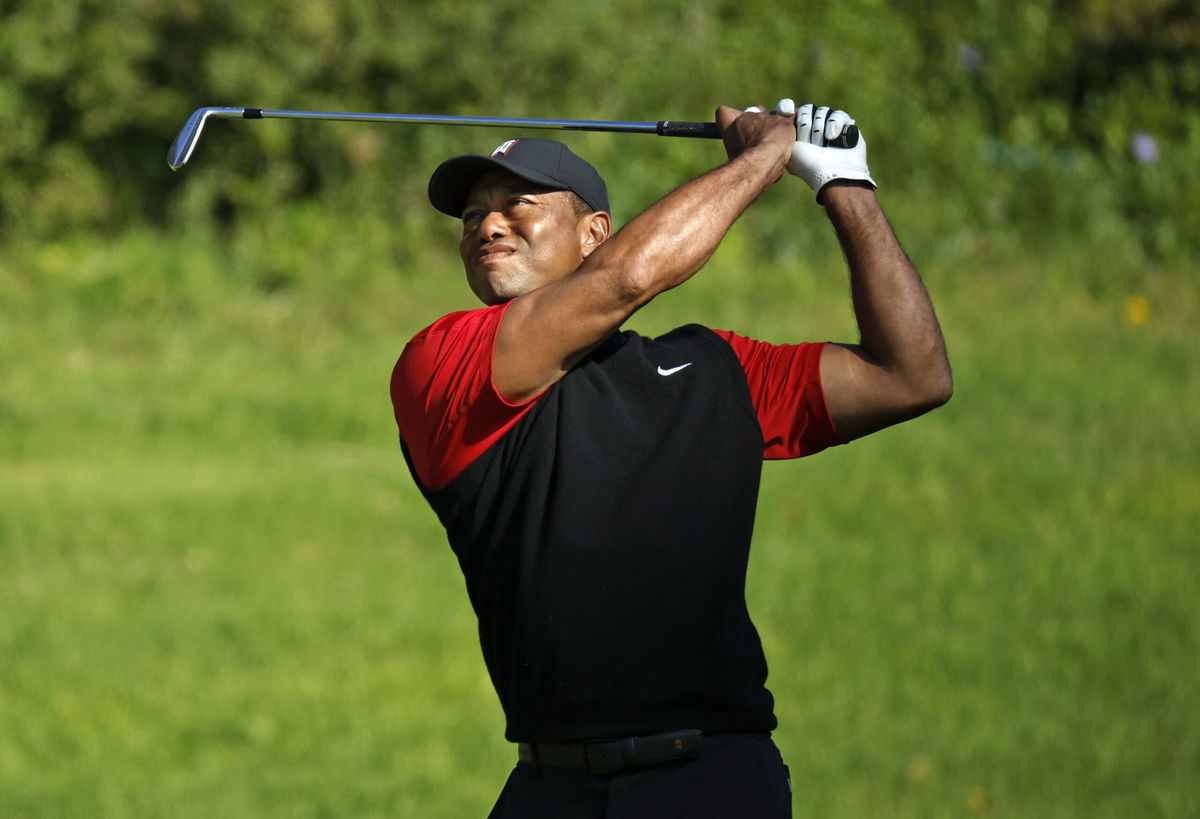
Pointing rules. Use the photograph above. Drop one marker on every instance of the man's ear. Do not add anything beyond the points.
(595, 228)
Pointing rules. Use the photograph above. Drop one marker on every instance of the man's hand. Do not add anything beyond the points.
(743, 130)
(814, 162)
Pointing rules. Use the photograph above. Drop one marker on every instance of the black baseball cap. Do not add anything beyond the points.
(541, 161)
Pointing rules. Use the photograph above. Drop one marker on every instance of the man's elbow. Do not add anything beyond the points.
(936, 389)
(925, 389)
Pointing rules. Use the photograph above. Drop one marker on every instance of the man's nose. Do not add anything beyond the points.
(493, 224)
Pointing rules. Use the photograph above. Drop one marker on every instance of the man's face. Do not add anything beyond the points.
(518, 236)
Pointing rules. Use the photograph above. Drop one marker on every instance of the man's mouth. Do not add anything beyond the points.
(493, 252)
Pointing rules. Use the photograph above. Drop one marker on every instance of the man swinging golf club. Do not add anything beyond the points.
(598, 487)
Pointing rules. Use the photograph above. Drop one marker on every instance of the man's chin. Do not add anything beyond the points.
(493, 288)
(493, 293)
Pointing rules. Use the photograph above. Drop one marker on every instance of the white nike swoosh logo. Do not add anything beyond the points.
(673, 370)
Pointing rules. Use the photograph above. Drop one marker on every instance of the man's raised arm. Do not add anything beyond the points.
(546, 331)
(899, 368)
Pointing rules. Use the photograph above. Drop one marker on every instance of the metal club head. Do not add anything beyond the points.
(189, 135)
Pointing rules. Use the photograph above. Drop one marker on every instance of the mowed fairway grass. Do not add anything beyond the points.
(221, 595)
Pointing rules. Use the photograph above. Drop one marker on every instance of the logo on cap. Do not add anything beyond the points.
(504, 147)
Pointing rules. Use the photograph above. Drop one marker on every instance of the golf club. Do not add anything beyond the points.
(185, 143)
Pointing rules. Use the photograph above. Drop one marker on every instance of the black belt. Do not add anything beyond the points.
(610, 756)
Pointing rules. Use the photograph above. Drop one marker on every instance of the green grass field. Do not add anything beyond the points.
(222, 596)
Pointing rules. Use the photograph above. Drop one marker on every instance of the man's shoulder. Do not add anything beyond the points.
(450, 342)
(685, 335)
(704, 331)
(708, 337)
(691, 342)
(459, 321)
(683, 331)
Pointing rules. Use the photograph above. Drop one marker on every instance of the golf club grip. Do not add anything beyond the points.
(709, 130)
(701, 130)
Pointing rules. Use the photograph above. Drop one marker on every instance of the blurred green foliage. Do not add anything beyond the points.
(1014, 119)
(222, 594)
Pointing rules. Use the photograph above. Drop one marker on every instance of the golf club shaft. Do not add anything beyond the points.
(185, 143)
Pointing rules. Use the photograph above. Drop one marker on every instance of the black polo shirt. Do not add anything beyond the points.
(603, 528)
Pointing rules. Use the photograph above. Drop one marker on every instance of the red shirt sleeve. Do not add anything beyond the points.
(785, 387)
(445, 402)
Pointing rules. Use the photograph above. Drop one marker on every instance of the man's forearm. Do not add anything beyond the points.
(668, 242)
(896, 320)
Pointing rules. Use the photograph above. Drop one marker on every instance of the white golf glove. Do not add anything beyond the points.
(811, 160)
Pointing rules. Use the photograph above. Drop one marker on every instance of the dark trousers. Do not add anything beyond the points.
(736, 777)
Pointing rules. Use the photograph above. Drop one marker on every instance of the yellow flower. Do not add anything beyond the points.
(1137, 310)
